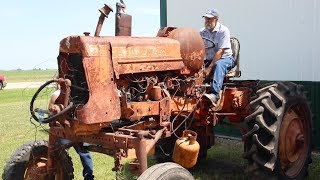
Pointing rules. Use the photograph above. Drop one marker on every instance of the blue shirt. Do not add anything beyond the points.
(221, 38)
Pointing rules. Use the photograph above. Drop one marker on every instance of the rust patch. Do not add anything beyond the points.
(103, 104)
(135, 55)
(123, 24)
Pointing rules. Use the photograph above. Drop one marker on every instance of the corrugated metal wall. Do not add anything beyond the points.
(279, 39)
(313, 89)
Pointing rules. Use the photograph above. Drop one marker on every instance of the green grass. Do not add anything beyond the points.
(224, 160)
(17, 129)
(28, 75)
(16, 95)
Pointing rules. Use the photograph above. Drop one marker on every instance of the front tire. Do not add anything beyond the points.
(166, 171)
(29, 162)
(280, 132)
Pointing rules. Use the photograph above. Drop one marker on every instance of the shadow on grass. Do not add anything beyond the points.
(224, 161)
(218, 169)
(127, 175)
(210, 168)
(204, 170)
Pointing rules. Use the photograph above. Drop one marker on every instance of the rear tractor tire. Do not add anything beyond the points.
(166, 171)
(278, 143)
(29, 162)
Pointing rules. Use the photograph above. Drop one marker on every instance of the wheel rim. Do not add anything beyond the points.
(294, 140)
(37, 169)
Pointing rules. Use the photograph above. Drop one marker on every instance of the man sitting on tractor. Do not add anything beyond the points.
(218, 60)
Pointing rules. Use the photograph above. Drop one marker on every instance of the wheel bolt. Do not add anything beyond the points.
(300, 140)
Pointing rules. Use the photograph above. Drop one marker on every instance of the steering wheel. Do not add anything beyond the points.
(211, 42)
(44, 115)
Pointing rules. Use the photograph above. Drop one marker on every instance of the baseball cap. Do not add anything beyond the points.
(211, 13)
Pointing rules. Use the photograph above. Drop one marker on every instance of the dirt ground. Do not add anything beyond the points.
(21, 85)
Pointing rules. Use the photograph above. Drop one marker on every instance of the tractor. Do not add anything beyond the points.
(147, 93)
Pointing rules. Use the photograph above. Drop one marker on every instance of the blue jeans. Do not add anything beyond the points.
(85, 157)
(220, 69)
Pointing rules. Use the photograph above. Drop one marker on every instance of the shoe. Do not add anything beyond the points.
(213, 99)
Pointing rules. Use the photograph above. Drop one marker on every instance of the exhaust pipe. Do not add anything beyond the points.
(105, 11)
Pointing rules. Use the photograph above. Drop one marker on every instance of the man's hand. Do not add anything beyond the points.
(55, 109)
(207, 72)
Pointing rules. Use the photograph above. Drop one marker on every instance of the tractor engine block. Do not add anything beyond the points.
(108, 74)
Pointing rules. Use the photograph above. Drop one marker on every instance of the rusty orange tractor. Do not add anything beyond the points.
(122, 92)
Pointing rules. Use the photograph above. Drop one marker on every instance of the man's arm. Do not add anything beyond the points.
(51, 106)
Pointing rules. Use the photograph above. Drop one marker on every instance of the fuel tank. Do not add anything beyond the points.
(182, 50)
(191, 48)
(144, 54)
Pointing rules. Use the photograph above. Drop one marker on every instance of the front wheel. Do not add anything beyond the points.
(166, 171)
(29, 162)
(280, 131)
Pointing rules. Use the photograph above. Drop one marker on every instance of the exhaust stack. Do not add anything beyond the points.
(105, 11)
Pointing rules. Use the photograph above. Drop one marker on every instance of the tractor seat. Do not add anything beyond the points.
(235, 47)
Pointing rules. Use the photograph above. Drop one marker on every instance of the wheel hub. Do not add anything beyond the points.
(292, 137)
(294, 140)
(36, 170)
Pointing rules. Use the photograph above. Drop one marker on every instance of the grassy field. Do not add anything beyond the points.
(17, 129)
(28, 75)
(224, 159)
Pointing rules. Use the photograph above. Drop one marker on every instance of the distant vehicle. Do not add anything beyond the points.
(3, 82)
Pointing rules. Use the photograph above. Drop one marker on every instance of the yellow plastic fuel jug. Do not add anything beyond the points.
(186, 149)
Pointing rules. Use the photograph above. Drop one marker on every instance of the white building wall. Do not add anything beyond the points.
(279, 38)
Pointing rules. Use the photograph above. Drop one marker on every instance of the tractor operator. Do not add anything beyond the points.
(218, 59)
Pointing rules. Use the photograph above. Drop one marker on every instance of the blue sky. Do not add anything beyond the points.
(31, 30)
